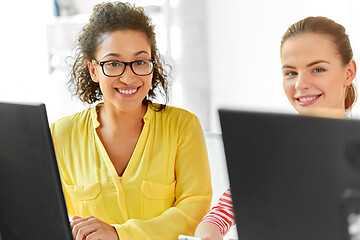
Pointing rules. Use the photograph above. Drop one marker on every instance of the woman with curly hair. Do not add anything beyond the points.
(130, 168)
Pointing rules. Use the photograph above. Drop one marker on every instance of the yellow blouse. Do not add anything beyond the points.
(165, 190)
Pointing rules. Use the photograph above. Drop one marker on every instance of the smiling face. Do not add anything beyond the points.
(127, 91)
(314, 78)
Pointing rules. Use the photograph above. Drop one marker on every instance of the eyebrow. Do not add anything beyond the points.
(309, 65)
(118, 55)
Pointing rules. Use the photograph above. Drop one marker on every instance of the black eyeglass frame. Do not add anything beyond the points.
(153, 61)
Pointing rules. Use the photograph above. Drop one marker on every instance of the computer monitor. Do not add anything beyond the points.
(32, 205)
(293, 177)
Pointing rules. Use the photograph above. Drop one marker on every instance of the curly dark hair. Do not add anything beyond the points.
(107, 18)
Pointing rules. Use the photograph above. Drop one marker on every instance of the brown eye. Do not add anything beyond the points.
(140, 62)
(112, 64)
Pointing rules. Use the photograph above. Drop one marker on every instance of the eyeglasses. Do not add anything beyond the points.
(114, 68)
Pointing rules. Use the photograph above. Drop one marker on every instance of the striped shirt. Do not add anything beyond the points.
(222, 214)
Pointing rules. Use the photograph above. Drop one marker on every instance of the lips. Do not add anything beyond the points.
(307, 100)
(128, 91)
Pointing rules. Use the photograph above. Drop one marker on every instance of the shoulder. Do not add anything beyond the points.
(172, 114)
(175, 118)
(175, 112)
(72, 122)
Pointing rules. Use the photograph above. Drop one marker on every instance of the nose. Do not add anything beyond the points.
(302, 82)
(128, 76)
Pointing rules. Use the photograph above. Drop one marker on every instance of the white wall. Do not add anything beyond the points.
(22, 48)
(244, 48)
(243, 51)
(24, 59)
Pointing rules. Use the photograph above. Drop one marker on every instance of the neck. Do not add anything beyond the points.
(117, 120)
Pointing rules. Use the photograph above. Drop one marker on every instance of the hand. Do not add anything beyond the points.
(208, 231)
(91, 228)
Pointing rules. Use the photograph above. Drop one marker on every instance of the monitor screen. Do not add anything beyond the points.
(293, 177)
(32, 205)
